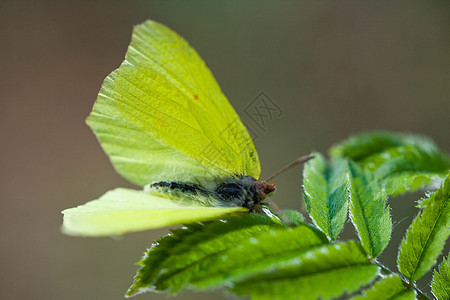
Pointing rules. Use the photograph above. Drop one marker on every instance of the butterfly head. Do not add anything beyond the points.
(263, 189)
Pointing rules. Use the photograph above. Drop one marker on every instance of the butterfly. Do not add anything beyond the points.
(166, 125)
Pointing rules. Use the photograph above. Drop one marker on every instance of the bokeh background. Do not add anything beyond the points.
(334, 67)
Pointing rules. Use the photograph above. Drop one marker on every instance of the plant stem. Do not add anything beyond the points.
(386, 271)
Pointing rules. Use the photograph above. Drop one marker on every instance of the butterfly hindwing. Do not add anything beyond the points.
(125, 210)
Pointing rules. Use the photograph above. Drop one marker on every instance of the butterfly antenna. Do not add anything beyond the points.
(296, 162)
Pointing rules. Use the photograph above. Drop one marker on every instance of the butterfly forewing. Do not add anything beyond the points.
(135, 153)
(165, 88)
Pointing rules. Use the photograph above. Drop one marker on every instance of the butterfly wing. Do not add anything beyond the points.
(135, 153)
(125, 210)
(165, 94)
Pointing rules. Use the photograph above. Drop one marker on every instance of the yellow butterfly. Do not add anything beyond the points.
(166, 125)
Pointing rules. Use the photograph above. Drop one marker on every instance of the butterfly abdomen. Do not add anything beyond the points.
(178, 187)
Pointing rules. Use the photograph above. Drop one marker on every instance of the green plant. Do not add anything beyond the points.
(266, 258)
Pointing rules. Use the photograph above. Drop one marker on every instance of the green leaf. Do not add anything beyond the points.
(401, 163)
(269, 251)
(322, 272)
(426, 235)
(153, 260)
(368, 212)
(440, 286)
(294, 217)
(185, 247)
(216, 256)
(390, 287)
(325, 189)
(408, 168)
(363, 147)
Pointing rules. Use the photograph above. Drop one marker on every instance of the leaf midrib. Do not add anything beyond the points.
(426, 246)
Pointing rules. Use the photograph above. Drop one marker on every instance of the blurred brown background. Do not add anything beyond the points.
(335, 68)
